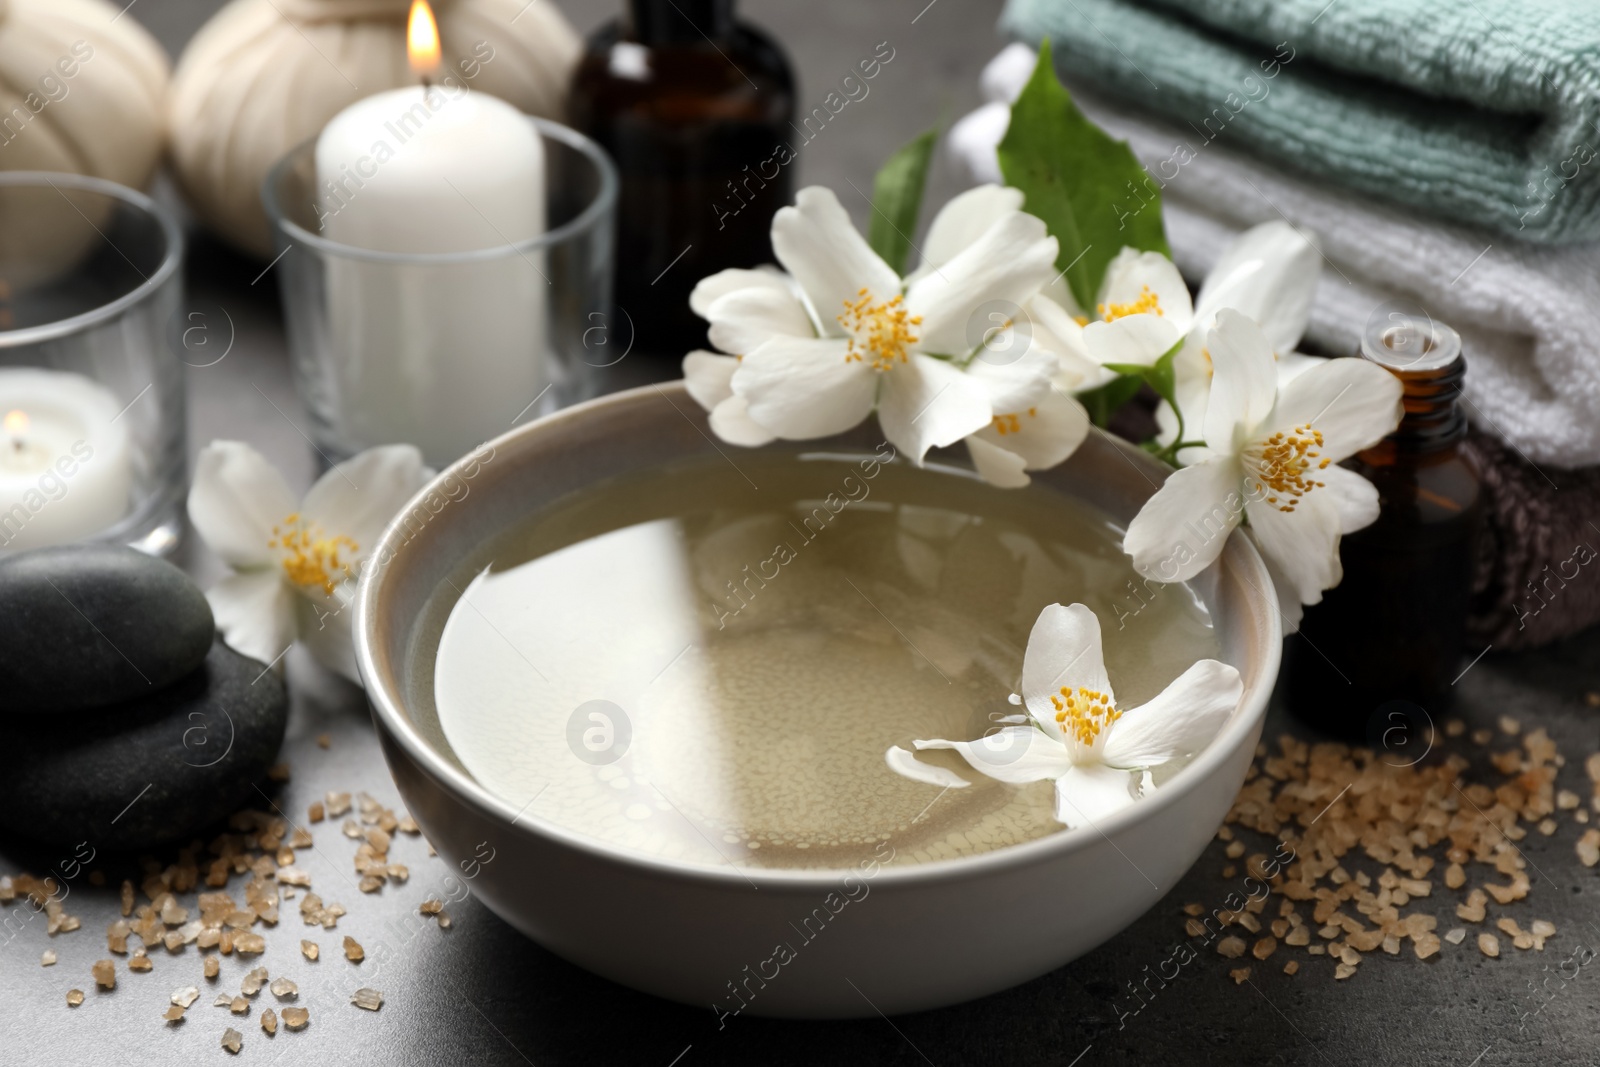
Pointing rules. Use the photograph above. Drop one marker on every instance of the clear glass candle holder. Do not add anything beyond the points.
(447, 350)
(91, 386)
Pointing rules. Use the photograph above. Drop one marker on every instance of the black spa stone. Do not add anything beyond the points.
(85, 626)
(149, 771)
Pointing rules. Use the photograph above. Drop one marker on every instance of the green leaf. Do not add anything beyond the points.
(897, 198)
(1091, 192)
(1102, 403)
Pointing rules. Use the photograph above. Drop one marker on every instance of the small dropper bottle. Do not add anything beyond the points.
(1392, 629)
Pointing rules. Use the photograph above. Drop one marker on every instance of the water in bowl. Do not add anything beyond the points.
(709, 663)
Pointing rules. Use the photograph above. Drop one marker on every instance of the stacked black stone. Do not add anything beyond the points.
(124, 721)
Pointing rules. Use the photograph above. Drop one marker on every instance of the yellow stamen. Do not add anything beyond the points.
(881, 332)
(1083, 713)
(1146, 304)
(310, 558)
(1011, 422)
(1283, 462)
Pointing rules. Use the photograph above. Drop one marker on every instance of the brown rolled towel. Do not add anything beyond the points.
(1539, 555)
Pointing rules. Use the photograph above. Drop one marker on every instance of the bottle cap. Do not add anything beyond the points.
(1404, 342)
(680, 21)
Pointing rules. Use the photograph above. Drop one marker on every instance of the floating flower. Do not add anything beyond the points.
(295, 562)
(1095, 751)
(1271, 453)
(842, 334)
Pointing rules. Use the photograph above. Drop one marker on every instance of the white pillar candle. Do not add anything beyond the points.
(65, 469)
(443, 356)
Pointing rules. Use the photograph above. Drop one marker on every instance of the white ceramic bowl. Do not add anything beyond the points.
(904, 938)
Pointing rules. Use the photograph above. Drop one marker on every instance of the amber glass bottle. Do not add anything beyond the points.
(1392, 630)
(695, 108)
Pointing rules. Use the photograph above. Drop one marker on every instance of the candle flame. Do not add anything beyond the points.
(422, 39)
(16, 423)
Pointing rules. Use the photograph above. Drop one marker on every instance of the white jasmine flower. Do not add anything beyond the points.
(295, 562)
(1143, 311)
(843, 334)
(1271, 453)
(1096, 752)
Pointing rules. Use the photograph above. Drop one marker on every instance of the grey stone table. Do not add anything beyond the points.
(479, 993)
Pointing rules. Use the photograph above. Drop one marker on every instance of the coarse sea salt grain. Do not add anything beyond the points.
(1328, 805)
(251, 984)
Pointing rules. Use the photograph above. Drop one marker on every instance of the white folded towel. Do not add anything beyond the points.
(1529, 316)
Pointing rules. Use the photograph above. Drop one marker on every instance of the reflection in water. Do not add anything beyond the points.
(765, 647)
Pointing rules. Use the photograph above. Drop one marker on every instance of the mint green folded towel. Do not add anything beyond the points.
(1482, 111)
